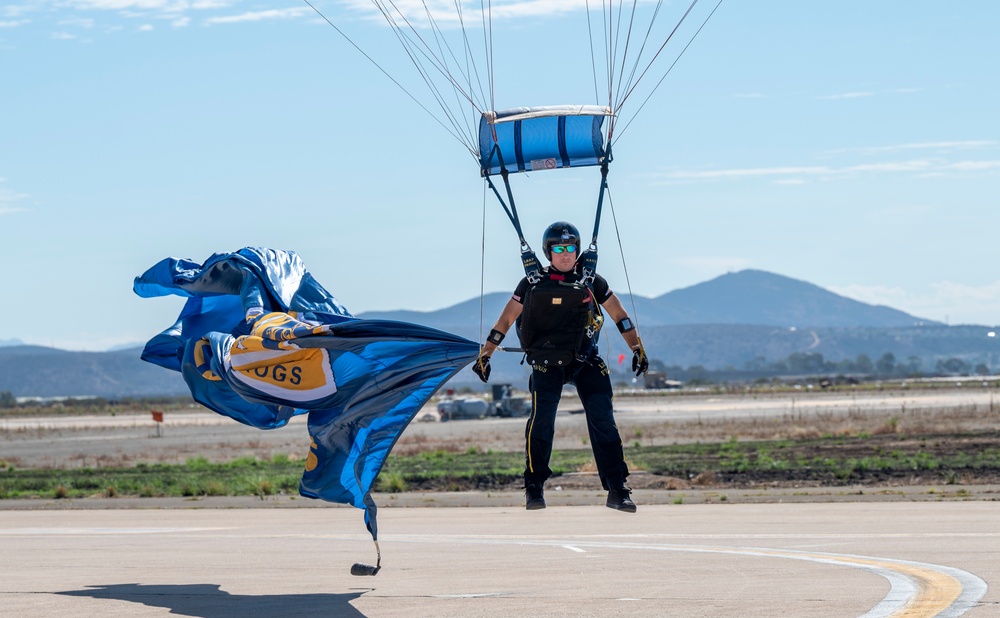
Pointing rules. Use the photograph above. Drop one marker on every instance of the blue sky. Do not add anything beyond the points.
(851, 144)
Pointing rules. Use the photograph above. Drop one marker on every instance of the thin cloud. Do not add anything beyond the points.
(180, 13)
(846, 95)
(747, 173)
(255, 16)
(537, 8)
(176, 10)
(150, 5)
(77, 22)
(796, 174)
(445, 14)
(938, 146)
(127, 5)
(974, 166)
(7, 199)
(16, 10)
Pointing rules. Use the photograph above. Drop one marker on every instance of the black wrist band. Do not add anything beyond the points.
(495, 337)
(625, 325)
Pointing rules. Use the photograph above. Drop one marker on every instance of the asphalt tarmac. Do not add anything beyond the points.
(801, 560)
(810, 552)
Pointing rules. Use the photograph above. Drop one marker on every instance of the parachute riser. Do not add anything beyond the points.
(588, 259)
(529, 261)
(600, 196)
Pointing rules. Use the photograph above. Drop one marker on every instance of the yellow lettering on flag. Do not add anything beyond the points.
(295, 374)
(201, 360)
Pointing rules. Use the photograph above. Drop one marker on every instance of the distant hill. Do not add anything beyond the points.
(717, 346)
(35, 371)
(763, 298)
(10, 342)
(734, 320)
(461, 319)
(746, 297)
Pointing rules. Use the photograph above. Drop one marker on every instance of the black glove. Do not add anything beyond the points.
(639, 361)
(482, 368)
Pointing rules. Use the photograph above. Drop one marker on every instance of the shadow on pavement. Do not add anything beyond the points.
(208, 601)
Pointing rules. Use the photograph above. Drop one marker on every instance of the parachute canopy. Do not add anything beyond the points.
(525, 139)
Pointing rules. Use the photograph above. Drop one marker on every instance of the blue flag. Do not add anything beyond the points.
(260, 341)
(226, 290)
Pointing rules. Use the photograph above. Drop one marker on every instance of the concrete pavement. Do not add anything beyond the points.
(691, 560)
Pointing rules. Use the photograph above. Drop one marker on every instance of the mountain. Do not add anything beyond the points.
(763, 298)
(735, 320)
(718, 346)
(462, 319)
(745, 297)
(10, 342)
(36, 371)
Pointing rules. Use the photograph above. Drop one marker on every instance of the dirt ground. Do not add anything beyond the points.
(939, 447)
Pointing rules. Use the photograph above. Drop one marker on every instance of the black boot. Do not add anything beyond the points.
(534, 497)
(618, 498)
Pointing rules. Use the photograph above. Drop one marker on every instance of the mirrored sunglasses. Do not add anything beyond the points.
(562, 248)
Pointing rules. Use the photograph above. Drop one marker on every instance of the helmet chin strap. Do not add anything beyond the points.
(572, 267)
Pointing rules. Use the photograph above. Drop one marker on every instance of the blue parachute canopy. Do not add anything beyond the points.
(539, 138)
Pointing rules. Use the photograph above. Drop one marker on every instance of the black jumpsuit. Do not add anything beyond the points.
(593, 383)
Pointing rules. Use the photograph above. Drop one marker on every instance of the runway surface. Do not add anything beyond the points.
(799, 560)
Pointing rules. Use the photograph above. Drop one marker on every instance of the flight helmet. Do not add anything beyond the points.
(560, 233)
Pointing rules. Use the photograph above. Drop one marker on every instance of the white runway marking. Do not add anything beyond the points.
(484, 595)
(98, 531)
(916, 589)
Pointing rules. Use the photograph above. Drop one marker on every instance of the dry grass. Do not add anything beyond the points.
(959, 419)
(857, 422)
(659, 423)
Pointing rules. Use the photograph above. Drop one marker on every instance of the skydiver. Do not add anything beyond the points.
(559, 334)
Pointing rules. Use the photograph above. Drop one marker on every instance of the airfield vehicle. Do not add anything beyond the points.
(505, 405)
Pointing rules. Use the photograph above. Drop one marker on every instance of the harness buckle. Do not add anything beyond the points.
(595, 326)
(588, 265)
(532, 270)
